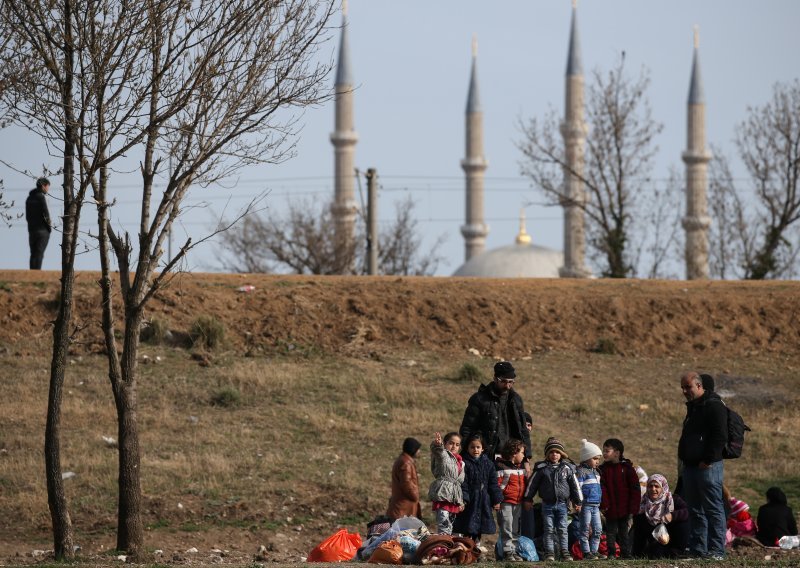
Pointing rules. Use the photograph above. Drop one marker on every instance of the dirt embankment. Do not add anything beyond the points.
(508, 318)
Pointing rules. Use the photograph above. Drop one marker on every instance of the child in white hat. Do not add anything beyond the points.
(588, 477)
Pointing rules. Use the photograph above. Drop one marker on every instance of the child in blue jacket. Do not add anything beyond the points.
(588, 478)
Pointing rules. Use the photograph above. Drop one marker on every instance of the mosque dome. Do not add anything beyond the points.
(523, 259)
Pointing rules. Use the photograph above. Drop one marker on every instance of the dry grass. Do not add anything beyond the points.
(313, 438)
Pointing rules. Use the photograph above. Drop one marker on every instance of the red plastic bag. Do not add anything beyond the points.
(339, 547)
(387, 552)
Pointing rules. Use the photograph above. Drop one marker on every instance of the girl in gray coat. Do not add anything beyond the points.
(448, 472)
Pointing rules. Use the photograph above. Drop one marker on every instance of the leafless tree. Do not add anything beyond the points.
(769, 145)
(210, 83)
(400, 247)
(619, 152)
(659, 240)
(731, 237)
(39, 93)
(304, 243)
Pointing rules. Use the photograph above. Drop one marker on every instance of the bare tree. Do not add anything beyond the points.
(210, 83)
(731, 236)
(401, 245)
(769, 145)
(304, 243)
(659, 241)
(39, 92)
(619, 152)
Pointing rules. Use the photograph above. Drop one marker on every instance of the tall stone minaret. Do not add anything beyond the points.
(344, 140)
(474, 165)
(696, 157)
(574, 130)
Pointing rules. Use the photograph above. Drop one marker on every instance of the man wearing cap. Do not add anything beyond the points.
(704, 435)
(496, 413)
(38, 218)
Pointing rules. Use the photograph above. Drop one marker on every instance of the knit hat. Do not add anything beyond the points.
(737, 506)
(410, 446)
(554, 444)
(504, 370)
(589, 450)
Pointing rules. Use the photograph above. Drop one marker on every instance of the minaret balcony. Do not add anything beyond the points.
(344, 137)
(475, 231)
(474, 164)
(696, 223)
(695, 157)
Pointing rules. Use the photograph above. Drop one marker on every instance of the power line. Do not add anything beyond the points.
(381, 221)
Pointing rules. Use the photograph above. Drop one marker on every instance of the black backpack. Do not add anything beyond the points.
(736, 430)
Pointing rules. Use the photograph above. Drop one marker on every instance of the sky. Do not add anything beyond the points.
(411, 63)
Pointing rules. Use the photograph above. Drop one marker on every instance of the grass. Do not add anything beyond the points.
(207, 331)
(313, 437)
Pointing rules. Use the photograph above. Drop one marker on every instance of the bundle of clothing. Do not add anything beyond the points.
(407, 541)
(446, 549)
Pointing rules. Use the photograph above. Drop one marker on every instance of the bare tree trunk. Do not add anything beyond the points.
(63, 546)
(130, 529)
(56, 499)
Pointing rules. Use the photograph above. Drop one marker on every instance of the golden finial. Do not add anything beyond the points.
(344, 8)
(696, 36)
(523, 238)
(474, 45)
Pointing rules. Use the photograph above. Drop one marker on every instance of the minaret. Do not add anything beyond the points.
(344, 139)
(696, 157)
(574, 130)
(474, 165)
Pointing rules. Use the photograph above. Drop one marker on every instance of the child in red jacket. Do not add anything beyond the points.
(511, 478)
(621, 495)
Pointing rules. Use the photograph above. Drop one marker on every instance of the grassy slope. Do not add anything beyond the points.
(312, 439)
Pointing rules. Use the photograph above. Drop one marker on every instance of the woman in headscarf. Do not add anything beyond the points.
(660, 506)
(775, 519)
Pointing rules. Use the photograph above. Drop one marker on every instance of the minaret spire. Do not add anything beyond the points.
(573, 130)
(696, 157)
(523, 238)
(344, 138)
(474, 165)
(574, 63)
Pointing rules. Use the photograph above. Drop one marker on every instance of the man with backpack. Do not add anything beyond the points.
(703, 439)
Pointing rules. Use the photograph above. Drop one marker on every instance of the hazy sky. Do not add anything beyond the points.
(411, 62)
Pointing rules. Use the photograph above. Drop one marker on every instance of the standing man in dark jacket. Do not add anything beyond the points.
(705, 433)
(496, 413)
(39, 225)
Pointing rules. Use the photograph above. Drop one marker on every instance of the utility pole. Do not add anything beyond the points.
(372, 222)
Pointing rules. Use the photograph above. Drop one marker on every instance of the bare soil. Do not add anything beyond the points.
(502, 318)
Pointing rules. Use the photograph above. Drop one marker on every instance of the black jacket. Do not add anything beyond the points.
(36, 212)
(483, 416)
(705, 430)
(774, 521)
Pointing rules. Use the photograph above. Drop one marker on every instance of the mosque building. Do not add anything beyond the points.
(524, 259)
